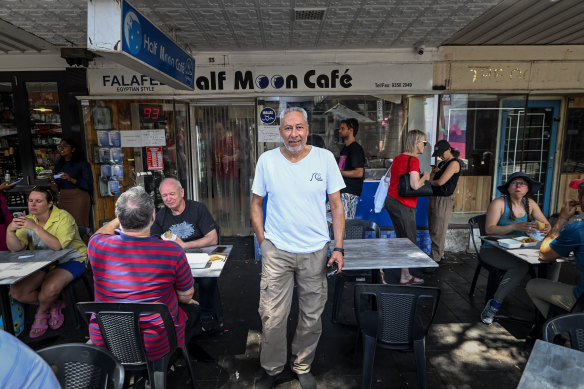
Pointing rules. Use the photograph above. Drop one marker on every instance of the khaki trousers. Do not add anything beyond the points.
(276, 288)
(439, 213)
(544, 292)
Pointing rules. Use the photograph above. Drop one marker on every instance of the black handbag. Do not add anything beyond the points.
(405, 190)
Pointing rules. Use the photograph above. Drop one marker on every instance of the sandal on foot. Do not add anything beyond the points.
(42, 318)
(57, 318)
(413, 281)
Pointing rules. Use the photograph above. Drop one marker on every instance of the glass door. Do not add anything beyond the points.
(225, 153)
(528, 142)
(45, 126)
(9, 161)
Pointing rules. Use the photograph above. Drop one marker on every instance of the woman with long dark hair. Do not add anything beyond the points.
(443, 179)
(75, 182)
(46, 228)
(402, 210)
(513, 214)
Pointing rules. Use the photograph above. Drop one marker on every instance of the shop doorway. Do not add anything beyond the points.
(224, 156)
(528, 142)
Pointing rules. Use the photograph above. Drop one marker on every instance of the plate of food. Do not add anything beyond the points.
(168, 236)
(509, 243)
(526, 241)
(197, 260)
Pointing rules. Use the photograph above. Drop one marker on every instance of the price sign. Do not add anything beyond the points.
(155, 160)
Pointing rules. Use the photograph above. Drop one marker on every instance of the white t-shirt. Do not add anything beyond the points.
(295, 212)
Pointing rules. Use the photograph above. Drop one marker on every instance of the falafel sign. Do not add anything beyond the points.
(280, 80)
(120, 32)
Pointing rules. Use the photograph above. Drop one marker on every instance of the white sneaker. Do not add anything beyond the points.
(488, 314)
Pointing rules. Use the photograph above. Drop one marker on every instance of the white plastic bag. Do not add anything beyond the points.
(381, 192)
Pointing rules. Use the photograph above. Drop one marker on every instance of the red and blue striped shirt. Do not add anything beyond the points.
(141, 269)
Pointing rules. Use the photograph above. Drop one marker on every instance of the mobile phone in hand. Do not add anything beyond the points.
(15, 182)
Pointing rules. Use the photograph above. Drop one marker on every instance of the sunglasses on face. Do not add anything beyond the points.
(425, 142)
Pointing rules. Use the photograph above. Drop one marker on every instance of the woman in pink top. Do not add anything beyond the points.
(402, 210)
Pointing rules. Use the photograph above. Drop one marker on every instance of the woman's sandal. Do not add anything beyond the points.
(42, 318)
(57, 318)
(413, 281)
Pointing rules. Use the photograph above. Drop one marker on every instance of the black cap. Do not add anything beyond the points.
(533, 185)
(440, 147)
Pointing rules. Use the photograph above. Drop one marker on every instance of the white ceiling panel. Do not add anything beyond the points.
(210, 25)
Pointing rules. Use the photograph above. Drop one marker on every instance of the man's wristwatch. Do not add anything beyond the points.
(342, 251)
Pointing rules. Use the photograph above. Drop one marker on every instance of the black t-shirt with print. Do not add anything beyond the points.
(192, 224)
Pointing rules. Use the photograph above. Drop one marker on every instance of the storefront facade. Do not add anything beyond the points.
(232, 113)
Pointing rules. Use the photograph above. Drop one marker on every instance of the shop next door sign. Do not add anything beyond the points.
(117, 30)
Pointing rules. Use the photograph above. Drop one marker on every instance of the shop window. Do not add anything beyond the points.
(135, 142)
(573, 161)
(470, 123)
(45, 126)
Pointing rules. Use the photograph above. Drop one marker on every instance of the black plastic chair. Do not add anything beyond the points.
(119, 323)
(354, 229)
(70, 293)
(495, 275)
(399, 320)
(572, 323)
(80, 365)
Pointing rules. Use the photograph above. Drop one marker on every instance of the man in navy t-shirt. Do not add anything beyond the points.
(562, 239)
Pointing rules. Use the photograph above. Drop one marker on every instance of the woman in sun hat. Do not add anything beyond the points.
(512, 214)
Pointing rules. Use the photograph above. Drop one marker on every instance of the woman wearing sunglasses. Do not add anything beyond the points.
(402, 210)
(46, 228)
(513, 214)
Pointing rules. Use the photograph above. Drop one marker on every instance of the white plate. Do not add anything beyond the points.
(163, 237)
(520, 238)
(197, 260)
(509, 243)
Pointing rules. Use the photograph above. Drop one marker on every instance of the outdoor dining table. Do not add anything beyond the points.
(527, 254)
(16, 266)
(211, 269)
(553, 366)
(392, 253)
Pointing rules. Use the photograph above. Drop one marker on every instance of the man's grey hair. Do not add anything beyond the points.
(134, 209)
(411, 139)
(293, 109)
(172, 179)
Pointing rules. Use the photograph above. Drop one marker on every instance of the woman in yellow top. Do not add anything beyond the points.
(46, 228)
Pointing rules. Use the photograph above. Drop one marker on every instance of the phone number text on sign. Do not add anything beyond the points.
(393, 84)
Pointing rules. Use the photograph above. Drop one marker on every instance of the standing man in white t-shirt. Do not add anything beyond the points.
(294, 243)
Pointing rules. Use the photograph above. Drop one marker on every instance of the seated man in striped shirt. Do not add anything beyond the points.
(130, 265)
